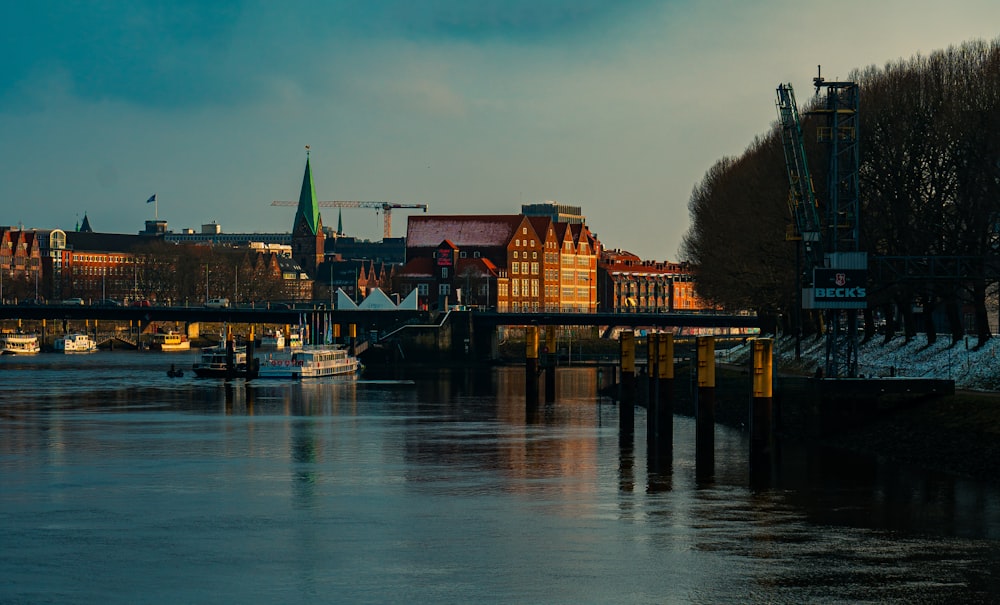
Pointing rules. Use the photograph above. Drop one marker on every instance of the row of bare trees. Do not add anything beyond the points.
(929, 184)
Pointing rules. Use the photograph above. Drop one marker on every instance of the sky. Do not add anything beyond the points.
(469, 107)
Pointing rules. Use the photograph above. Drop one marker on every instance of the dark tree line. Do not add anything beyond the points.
(930, 190)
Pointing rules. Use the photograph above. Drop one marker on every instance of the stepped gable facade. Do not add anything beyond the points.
(511, 263)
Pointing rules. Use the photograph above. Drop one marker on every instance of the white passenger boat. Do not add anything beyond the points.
(171, 341)
(212, 363)
(75, 343)
(309, 362)
(272, 340)
(16, 343)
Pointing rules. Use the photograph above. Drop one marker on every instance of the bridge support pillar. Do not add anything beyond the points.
(761, 412)
(550, 364)
(531, 366)
(705, 421)
(626, 406)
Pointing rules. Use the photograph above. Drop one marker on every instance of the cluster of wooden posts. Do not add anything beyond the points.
(660, 394)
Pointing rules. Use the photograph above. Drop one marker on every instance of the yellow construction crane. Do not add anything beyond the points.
(385, 207)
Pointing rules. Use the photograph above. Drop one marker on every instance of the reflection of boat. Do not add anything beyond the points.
(171, 341)
(15, 343)
(212, 363)
(75, 343)
(310, 362)
(273, 340)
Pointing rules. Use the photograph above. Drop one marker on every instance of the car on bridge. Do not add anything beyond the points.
(73, 301)
(140, 303)
(217, 303)
(107, 302)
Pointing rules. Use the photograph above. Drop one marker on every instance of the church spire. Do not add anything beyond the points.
(308, 207)
(340, 221)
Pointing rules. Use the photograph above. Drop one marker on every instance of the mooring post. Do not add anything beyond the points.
(626, 409)
(251, 360)
(761, 410)
(352, 334)
(531, 366)
(705, 422)
(230, 353)
(550, 364)
(336, 333)
(665, 393)
(652, 350)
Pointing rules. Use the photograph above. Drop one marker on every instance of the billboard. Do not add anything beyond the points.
(837, 289)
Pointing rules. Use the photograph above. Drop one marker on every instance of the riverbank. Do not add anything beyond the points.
(957, 434)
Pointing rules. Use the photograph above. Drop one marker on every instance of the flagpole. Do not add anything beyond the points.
(156, 207)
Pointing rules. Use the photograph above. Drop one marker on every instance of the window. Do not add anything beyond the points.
(524, 230)
(515, 253)
(475, 254)
(514, 289)
(524, 268)
(422, 289)
(513, 267)
(534, 268)
(444, 289)
(534, 288)
(532, 244)
(461, 254)
(444, 272)
(517, 242)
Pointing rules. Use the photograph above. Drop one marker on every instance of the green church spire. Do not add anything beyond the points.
(308, 207)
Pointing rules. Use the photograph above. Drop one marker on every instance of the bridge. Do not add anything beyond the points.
(459, 332)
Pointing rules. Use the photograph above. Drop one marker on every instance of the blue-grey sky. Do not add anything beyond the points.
(468, 106)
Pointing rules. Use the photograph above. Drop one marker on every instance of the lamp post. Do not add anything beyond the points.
(206, 283)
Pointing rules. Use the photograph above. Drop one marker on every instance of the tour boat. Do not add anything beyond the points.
(272, 340)
(75, 343)
(309, 362)
(212, 363)
(171, 341)
(15, 343)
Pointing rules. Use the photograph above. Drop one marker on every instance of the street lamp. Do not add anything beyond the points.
(206, 283)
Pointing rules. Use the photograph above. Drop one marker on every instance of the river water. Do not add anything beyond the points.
(121, 485)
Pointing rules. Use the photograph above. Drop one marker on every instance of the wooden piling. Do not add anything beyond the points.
(652, 351)
(705, 412)
(761, 410)
(626, 407)
(665, 392)
(531, 366)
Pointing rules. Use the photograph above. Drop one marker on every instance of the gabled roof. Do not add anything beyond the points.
(418, 267)
(85, 227)
(484, 230)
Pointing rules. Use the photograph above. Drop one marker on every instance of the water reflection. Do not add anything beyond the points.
(449, 489)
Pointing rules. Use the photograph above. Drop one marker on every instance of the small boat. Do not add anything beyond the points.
(171, 341)
(212, 363)
(16, 343)
(309, 362)
(272, 340)
(75, 343)
(175, 372)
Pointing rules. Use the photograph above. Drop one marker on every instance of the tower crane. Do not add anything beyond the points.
(385, 207)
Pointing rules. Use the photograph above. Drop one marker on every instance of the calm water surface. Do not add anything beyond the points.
(121, 485)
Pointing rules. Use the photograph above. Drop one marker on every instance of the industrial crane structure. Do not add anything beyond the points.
(834, 276)
(385, 207)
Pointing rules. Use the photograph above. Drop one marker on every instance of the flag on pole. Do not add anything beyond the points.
(151, 199)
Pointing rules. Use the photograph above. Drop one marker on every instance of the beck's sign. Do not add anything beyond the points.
(839, 288)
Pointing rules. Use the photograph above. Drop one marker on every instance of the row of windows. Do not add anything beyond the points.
(533, 254)
(524, 268)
